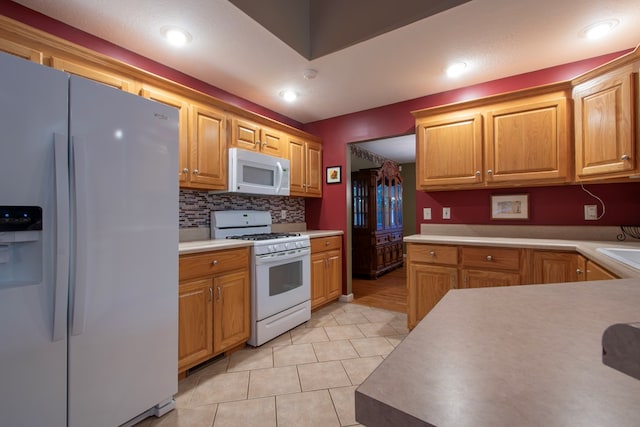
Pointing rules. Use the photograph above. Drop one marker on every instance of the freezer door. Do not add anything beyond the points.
(123, 313)
(33, 357)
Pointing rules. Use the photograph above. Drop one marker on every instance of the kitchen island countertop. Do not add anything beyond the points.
(522, 355)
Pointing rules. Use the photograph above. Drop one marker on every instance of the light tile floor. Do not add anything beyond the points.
(305, 377)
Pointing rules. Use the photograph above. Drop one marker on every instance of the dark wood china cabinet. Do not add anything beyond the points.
(377, 220)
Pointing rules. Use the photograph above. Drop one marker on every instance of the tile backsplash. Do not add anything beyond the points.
(196, 206)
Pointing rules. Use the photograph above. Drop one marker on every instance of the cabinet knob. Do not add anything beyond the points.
(214, 262)
(257, 142)
(326, 243)
(185, 170)
(578, 271)
(624, 157)
(489, 258)
(477, 173)
(196, 171)
(264, 144)
(432, 253)
(489, 172)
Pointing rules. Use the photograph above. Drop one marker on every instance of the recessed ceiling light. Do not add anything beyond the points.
(456, 69)
(175, 36)
(289, 95)
(599, 29)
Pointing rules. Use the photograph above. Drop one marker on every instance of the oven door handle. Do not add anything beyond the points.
(282, 256)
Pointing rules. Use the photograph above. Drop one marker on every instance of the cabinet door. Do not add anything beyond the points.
(24, 52)
(558, 267)
(272, 142)
(208, 148)
(595, 272)
(195, 322)
(528, 142)
(488, 279)
(604, 126)
(183, 120)
(96, 74)
(427, 285)
(313, 164)
(449, 151)
(297, 175)
(318, 274)
(244, 134)
(232, 310)
(333, 276)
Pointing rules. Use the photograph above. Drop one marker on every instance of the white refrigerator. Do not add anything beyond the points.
(89, 292)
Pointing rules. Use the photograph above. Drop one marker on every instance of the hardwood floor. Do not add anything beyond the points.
(388, 291)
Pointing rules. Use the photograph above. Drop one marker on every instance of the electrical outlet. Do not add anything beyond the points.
(446, 213)
(590, 212)
(283, 214)
(426, 213)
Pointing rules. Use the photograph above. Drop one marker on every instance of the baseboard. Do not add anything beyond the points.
(346, 298)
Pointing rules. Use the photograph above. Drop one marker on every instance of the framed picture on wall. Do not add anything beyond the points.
(334, 174)
(512, 206)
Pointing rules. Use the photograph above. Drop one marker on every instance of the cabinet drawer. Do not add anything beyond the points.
(212, 263)
(490, 258)
(320, 244)
(433, 254)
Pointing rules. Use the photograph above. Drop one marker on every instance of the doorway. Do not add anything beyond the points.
(388, 290)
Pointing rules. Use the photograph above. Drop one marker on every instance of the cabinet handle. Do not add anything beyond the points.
(196, 171)
(210, 294)
(624, 157)
(185, 170)
(489, 172)
(214, 262)
(489, 258)
(219, 292)
(432, 253)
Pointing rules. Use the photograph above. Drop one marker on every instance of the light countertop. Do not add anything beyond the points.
(505, 356)
(218, 244)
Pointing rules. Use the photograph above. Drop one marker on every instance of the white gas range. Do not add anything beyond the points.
(280, 271)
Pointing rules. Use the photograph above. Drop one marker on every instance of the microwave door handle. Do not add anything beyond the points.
(280, 175)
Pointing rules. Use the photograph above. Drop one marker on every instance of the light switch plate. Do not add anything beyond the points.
(446, 213)
(426, 213)
(590, 212)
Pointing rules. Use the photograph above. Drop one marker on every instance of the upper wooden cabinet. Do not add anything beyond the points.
(22, 51)
(505, 140)
(95, 73)
(253, 136)
(604, 125)
(305, 159)
(202, 138)
(449, 150)
(527, 140)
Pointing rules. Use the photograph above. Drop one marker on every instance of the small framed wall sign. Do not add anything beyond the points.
(511, 206)
(334, 174)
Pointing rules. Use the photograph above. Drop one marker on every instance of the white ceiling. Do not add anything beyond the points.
(401, 149)
(229, 50)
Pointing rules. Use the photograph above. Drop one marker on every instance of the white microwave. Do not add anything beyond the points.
(257, 173)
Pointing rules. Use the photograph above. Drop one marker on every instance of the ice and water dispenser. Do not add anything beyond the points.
(20, 245)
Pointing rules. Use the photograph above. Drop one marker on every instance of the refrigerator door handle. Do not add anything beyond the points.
(80, 193)
(61, 163)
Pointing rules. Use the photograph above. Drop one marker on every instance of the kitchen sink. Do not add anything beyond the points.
(628, 256)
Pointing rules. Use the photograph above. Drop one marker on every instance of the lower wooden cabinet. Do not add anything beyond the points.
(326, 270)
(214, 304)
(431, 272)
(561, 267)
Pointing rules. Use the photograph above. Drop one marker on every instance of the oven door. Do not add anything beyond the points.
(280, 281)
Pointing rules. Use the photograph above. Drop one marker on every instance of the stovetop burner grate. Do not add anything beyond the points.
(263, 236)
